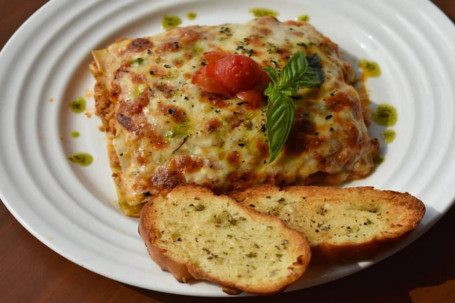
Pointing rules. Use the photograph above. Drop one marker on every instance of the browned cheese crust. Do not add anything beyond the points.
(341, 224)
(164, 131)
(197, 235)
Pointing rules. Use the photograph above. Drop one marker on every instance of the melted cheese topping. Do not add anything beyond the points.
(164, 131)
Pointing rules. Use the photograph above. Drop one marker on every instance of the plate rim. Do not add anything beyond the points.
(40, 13)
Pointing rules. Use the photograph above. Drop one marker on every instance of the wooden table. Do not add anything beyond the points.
(31, 272)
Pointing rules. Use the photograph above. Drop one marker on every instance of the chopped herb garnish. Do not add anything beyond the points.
(199, 207)
(137, 61)
(247, 51)
(368, 222)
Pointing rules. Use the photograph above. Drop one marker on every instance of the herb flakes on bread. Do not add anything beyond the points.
(197, 235)
(341, 224)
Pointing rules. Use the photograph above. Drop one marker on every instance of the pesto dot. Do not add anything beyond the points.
(385, 115)
(78, 105)
(170, 21)
(378, 159)
(303, 18)
(82, 159)
(388, 135)
(370, 68)
(191, 15)
(263, 12)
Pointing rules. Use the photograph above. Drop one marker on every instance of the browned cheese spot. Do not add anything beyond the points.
(234, 158)
(139, 45)
(212, 125)
(176, 113)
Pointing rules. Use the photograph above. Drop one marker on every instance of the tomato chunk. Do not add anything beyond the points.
(214, 56)
(253, 97)
(236, 72)
(232, 75)
(208, 83)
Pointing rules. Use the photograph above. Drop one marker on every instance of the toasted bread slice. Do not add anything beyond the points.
(197, 235)
(341, 224)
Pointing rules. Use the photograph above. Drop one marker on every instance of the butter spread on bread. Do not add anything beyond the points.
(340, 223)
(197, 235)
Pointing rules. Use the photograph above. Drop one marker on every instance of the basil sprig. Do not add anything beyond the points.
(300, 71)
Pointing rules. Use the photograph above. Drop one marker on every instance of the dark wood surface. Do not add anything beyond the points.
(31, 272)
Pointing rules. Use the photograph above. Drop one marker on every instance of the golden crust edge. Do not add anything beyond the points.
(186, 273)
(348, 252)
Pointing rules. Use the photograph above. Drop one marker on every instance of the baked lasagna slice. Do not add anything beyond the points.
(163, 130)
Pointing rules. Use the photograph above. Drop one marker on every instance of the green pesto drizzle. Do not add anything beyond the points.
(388, 135)
(385, 115)
(303, 18)
(378, 159)
(195, 49)
(191, 15)
(170, 21)
(75, 134)
(78, 105)
(83, 159)
(263, 12)
(177, 132)
(370, 68)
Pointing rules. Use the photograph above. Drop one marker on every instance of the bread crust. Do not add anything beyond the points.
(180, 271)
(186, 271)
(406, 210)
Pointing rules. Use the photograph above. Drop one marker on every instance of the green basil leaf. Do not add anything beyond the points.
(300, 71)
(294, 69)
(314, 61)
(273, 74)
(280, 118)
(311, 78)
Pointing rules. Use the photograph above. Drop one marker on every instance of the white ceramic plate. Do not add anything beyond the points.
(72, 209)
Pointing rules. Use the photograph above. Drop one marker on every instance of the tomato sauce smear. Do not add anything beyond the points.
(232, 75)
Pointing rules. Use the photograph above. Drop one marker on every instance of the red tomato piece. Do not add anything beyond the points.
(236, 72)
(232, 75)
(208, 83)
(214, 56)
(253, 97)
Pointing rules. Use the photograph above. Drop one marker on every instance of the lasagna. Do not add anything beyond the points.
(163, 130)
